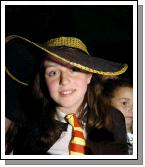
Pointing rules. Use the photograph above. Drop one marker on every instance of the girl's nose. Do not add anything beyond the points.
(130, 109)
(64, 78)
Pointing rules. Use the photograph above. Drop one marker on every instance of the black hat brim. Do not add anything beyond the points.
(24, 56)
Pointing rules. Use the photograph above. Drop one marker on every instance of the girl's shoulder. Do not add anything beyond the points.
(118, 125)
(116, 114)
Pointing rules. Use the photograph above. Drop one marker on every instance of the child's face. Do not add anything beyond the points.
(66, 86)
(123, 101)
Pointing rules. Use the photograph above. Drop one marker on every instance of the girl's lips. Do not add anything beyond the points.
(67, 92)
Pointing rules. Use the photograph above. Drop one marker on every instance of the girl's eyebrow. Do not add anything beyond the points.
(124, 98)
(50, 65)
(47, 65)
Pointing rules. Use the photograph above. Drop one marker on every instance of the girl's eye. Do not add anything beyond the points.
(124, 103)
(52, 73)
(74, 69)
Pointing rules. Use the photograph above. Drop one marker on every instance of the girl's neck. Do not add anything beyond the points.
(67, 110)
(72, 109)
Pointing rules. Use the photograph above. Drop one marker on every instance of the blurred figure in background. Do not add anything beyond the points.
(119, 94)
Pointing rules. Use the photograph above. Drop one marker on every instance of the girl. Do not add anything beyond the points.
(119, 92)
(64, 84)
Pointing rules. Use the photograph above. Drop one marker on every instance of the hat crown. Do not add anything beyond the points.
(69, 42)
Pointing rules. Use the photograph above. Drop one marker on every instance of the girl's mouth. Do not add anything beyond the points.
(67, 92)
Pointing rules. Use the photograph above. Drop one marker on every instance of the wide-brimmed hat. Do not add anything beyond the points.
(23, 57)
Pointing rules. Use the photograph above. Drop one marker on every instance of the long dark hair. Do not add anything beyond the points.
(98, 115)
(94, 114)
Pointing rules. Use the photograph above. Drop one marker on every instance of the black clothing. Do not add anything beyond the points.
(103, 141)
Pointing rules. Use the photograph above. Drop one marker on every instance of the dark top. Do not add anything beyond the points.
(103, 141)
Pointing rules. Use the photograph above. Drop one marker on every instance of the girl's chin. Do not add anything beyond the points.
(65, 106)
(67, 103)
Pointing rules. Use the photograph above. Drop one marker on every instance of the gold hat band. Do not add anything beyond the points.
(69, 42)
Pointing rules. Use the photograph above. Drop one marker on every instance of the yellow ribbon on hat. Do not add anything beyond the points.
(69, 42)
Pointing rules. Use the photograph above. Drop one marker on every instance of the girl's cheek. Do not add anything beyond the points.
(51, 85)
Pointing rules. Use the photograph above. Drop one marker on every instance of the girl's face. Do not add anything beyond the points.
(123, 101)
(66, 86)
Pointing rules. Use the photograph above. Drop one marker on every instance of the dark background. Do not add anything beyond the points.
(106, 30)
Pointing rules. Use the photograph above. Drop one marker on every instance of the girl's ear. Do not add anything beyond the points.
(89, 78)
